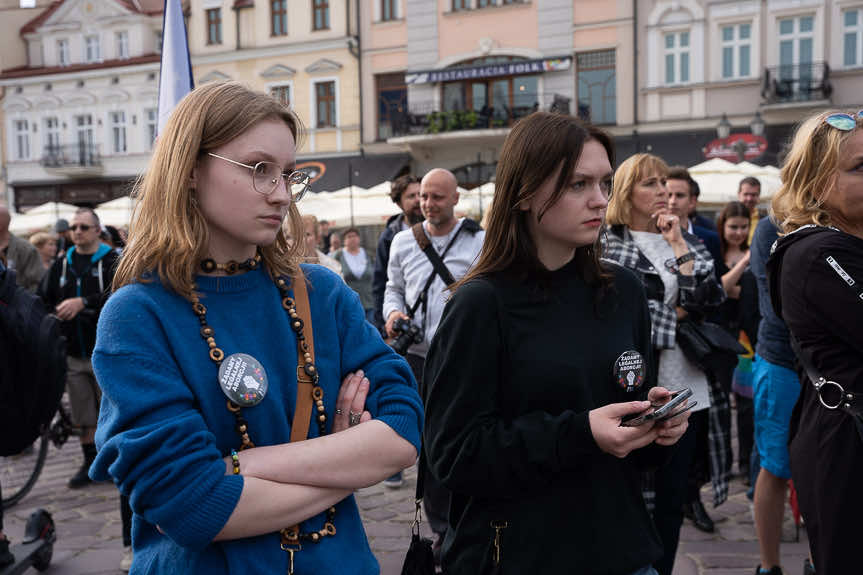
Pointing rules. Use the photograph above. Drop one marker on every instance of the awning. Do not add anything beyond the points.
(331, 174)
(514, 68)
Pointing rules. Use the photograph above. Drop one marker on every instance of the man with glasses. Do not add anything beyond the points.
(76, 287)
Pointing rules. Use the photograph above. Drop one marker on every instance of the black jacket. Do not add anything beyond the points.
(382, 259)
(512, 373)
(61, 283)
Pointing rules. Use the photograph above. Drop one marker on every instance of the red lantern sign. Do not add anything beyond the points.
(727, 148)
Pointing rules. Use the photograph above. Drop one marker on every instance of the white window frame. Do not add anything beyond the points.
(676, 53)
(21, 138)
(858, 31)
(121, 44)
(378, 12)
(117, 126)
(151, 127)
(667, 16)
(736, 44)
(63, 52)
(289, 85)
(92, 49)
(795, 37)
(51, 134)
(314, 102)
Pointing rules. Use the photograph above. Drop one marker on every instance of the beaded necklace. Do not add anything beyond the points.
(291, 537)
(231, 267)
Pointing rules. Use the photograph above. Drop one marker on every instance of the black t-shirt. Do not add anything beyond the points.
(512, 373)
(80, 263)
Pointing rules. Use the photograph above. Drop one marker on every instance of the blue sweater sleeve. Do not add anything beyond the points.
(393, 396)
(153, 441)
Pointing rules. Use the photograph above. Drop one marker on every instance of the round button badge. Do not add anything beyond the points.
(243, 379)
(629, 370)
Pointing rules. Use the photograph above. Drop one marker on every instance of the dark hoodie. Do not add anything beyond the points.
(382, 259)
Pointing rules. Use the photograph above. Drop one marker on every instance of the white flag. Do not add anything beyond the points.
(175, 73)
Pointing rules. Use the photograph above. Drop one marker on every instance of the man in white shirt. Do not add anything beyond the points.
(457, 241)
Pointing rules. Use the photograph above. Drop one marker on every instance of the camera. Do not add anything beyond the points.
(407, 334)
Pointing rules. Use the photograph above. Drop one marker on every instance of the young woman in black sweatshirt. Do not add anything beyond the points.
(524, 405)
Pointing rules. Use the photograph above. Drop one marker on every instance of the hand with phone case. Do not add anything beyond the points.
(673, 406)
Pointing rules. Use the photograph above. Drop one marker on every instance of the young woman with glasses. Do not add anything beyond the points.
(540, 354)
(200, 350)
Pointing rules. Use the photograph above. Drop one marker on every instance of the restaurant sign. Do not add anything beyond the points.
(515, 68)
(751, 145)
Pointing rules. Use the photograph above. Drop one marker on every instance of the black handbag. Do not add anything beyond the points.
(699, 340)
(419, 559)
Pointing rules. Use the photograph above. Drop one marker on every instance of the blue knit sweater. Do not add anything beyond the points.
(164, 427)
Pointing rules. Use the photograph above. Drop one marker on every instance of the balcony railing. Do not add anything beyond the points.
(428, 118)
(796, 83)
(85, 155)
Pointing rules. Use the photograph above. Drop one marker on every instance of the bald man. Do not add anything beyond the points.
(19, 255)
(411, 296)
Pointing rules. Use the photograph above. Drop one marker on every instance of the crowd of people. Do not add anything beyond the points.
(240, 369)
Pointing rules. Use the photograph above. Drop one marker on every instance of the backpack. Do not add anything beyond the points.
(33, 364)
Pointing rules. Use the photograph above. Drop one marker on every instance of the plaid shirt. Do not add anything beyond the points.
(698, 294)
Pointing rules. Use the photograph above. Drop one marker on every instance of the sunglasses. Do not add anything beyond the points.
(82, 227)
(844, 122)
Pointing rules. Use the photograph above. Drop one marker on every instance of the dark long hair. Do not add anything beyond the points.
(731, 210)
(538, 145)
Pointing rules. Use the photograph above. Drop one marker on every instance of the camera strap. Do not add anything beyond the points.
(439, 268)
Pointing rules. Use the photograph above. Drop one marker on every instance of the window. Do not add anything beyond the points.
(597, 100)
(321, 17)
(677, 58)
(485, 3)
(150, 119)
(86, 146)
(22, 139)
(279, 17)
(63, 52)
(460, 5)
(118, 132)
(121, 39)
(392, 98)
(389, 10)
(325, 104)
(852, 37)
(736, 50)
(52, 136)
(214, 26)
(795, 48)
(282, 94)
(158, 40)
(92, 51)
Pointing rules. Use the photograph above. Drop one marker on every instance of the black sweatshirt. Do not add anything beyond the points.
(512, 372)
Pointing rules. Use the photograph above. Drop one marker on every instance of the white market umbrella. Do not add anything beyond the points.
(41, 217)
(116, 212)
(719, 180)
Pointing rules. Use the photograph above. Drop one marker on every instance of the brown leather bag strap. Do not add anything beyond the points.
(420, 235)
(305, 384)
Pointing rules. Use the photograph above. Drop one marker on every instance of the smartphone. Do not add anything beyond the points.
(659, 412)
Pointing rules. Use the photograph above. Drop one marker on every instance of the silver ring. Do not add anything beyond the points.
(338, 411)
(354, 418)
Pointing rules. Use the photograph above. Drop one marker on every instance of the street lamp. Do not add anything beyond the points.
(723, 130)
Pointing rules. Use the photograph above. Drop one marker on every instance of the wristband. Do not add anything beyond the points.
(673, 265)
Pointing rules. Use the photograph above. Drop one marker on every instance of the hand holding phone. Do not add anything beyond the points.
(661, 412)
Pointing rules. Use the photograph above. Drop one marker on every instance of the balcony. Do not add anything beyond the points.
(72, 160)
(426, 119)
(796, 84)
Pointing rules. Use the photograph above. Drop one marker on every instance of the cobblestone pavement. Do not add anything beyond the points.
(89, 540)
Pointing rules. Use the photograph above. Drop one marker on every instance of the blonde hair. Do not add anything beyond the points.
(629, 173)
(39, 239)
(808, 173)
(169, 235)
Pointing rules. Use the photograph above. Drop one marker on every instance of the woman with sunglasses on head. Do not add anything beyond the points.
(218, 354)
(677, 273)
(815, 275)
(540, 354)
